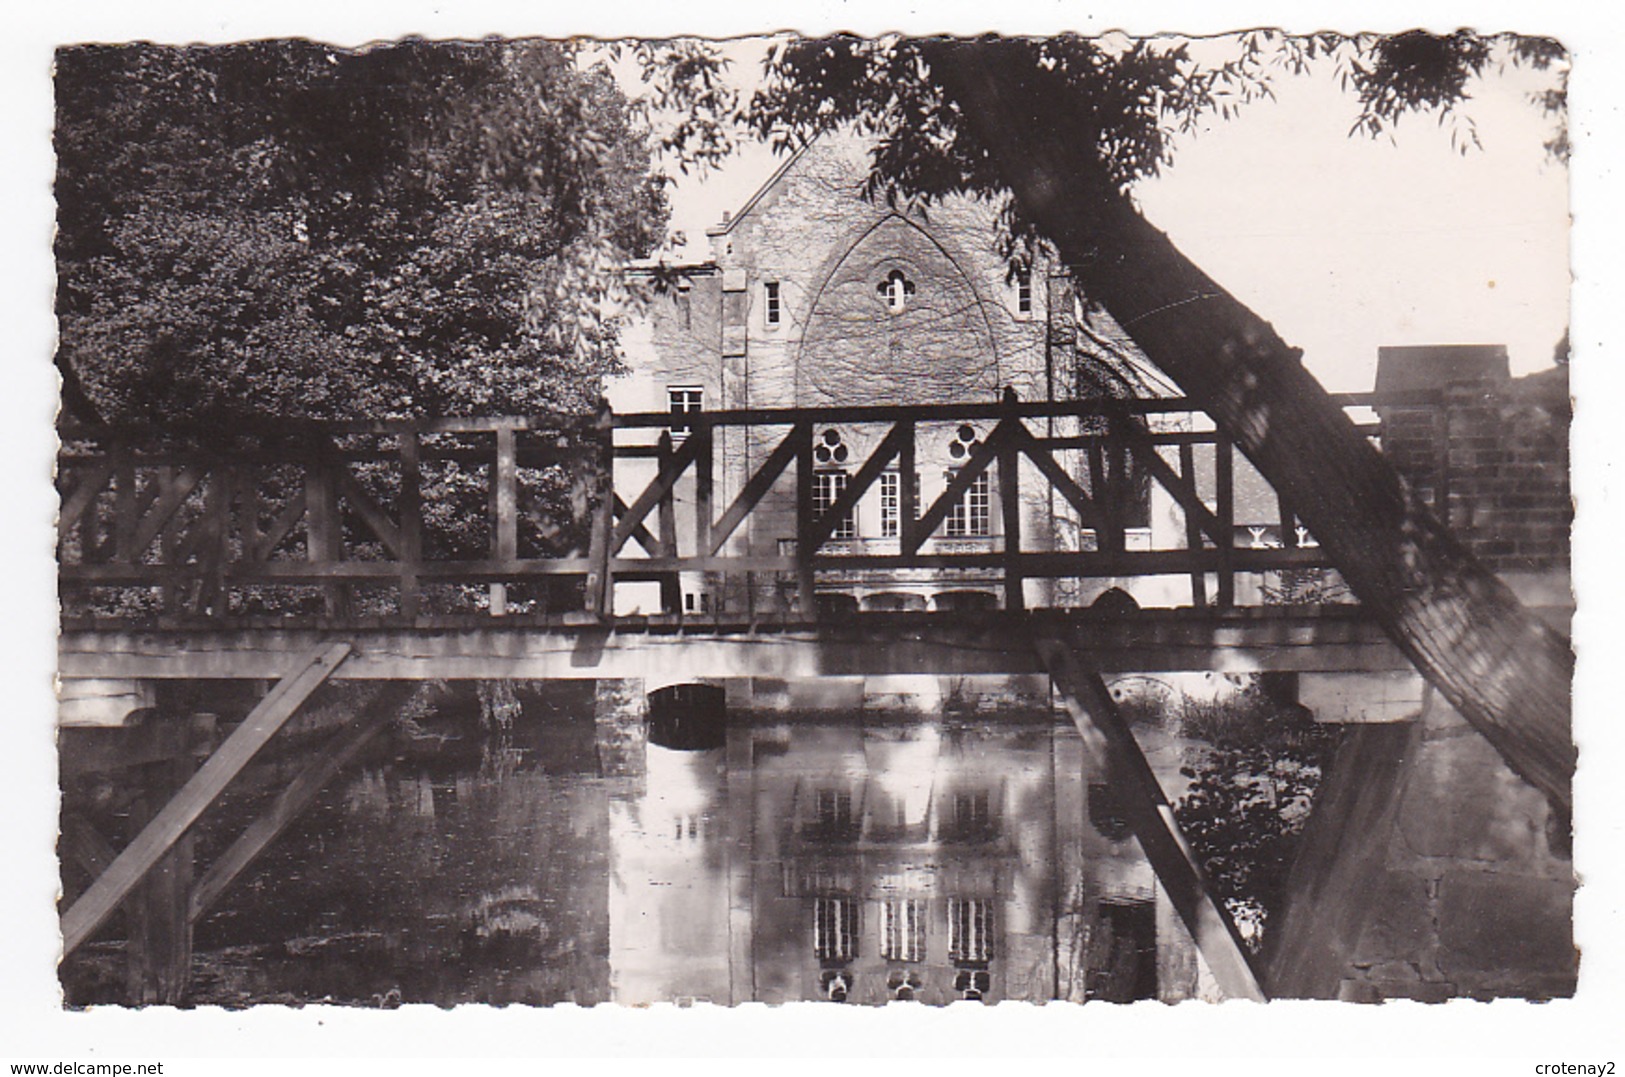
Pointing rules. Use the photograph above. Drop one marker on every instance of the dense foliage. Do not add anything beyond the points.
(278, 229)
(1253, 776)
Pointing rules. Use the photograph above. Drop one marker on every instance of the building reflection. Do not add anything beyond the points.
(867, 862)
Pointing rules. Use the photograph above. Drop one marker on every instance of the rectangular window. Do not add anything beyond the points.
(834, 810)
(972, 515)
(891, 504)
(772, 308)
(970, 818)
(827, 486)
(970, 931)
(683, 400)
(971, 812)
(1024, 291)
(903, 931)
(835, 929)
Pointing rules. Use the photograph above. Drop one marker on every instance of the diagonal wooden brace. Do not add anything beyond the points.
(300, 793)
(170, 824)
(1152, 818)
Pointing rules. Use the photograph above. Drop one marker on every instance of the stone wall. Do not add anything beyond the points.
(1428, 871)
(1502, 444)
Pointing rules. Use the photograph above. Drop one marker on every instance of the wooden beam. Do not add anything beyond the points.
(1181, 484)
(125, 505)
(1104, 729)
(84, 492)
(756, 487)
(1145, 641)
(671, 468)
(284, 522)
(1224, 464)
(172, 494)
(1010, 511)
(805, 550)
(1109, 535)
(704, 486)
(298, 795)
(980, 458)
(411, 530)
(640, 534)
(908, 493)
(363, 505)
(598, 594)
(158, 948)
(505, 480)
(1193, 530)
(671, 592)
(1040, 454)
(847, 501)
(170, 824)
(214, 532)
(324, 529)
(83, 844)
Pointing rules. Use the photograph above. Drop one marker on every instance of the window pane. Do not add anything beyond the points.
(971, 515)
(683, 401)
(890, 503)
(835, 929)
(903, 931)
(970, 931)
(827, 487)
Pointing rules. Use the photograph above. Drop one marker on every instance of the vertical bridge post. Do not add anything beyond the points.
(600, 590)
(1010, 506)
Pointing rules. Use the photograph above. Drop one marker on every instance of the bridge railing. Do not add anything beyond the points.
(544, 516)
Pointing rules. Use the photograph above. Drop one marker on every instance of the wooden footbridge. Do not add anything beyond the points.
(494, 547)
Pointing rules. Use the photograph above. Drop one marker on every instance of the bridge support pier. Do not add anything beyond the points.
(159, 948)
(149, 758)
(620, 713)
(1428, 870)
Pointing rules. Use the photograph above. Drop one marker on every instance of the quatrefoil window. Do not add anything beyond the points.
(895, 290)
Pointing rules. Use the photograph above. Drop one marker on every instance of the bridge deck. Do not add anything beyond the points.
(1231, 641)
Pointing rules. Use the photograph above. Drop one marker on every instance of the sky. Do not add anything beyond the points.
(1345, 244)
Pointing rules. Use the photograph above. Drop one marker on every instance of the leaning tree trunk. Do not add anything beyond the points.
(1506, 671)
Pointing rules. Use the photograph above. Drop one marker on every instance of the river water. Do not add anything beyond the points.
(541, 850)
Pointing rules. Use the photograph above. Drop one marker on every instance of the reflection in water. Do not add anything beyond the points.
(668, 885)
(846, 860)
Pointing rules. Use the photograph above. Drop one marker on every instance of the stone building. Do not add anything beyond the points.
(816, 296)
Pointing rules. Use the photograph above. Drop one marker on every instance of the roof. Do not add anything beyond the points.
(727, 225)
(1428, 366)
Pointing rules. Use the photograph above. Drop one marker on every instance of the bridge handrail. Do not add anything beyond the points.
(564, 423)
(189, 519)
